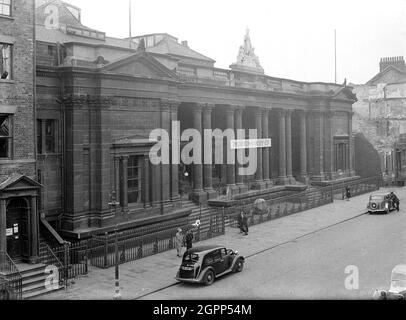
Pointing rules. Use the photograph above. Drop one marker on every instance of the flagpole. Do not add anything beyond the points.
(130, 21)
(335, 56)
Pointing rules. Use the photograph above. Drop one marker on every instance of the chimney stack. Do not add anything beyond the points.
(397, 62)
(185, 44)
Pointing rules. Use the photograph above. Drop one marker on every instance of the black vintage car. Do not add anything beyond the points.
(206, 263)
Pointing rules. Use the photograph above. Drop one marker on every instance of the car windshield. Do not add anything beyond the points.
(193, 258)
(398, 276)
(398, 284)
(377, 197)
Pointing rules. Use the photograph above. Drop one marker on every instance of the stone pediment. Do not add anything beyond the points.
(140, 64)
(345, 93)
(18, 181)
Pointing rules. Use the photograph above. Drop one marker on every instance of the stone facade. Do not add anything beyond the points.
(379, 113)
(105, 96)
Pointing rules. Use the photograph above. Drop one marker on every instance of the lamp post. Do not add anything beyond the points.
(114, 203)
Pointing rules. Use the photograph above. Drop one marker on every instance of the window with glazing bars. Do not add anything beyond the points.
(5, 7)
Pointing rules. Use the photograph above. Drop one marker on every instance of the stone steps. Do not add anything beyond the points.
(34, 280)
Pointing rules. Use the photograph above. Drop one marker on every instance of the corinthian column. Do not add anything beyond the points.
(318, 171)
(208, 167)
(175, 197)
(283, 179)
(259, 177)
(239, 179)
(265, 151)
(288, 128)
(303, 148)
(231, 166)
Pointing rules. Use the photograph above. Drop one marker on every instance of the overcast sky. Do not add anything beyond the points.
(292, 38)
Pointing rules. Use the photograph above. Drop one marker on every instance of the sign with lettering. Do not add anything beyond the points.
(9, 232)
(251, 144)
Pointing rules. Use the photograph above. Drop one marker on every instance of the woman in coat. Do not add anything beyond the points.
(179, 242)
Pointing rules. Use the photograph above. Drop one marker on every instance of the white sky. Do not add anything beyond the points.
(292, 38)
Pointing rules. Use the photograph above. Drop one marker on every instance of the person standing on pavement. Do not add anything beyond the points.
(189, 239)
(240, 219)
(245, 224)
(395, 200)
(179, 242)
(348, 193)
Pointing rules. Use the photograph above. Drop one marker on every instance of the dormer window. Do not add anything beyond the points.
(5, 7)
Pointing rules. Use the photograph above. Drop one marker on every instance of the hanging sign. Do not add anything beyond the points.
(9, 232)
(251, 144)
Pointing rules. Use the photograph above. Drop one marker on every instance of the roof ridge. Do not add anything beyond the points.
(190, 49)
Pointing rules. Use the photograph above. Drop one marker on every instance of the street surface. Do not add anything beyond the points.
(299, 256)
(314, 267)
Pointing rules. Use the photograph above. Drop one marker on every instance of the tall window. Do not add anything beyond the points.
(46, 136)
(134, 170)
(5, 60)
(341, 156)
(6, 136)
(5, 7)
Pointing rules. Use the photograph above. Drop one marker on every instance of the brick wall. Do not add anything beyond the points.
(18, 92)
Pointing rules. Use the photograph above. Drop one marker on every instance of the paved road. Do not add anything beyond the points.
(314, 262)
(313, 267)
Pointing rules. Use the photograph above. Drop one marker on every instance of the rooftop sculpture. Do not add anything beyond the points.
(247, 60)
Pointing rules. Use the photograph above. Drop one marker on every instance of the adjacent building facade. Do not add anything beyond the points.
(19, 189)
(379, 116)
(99, 98)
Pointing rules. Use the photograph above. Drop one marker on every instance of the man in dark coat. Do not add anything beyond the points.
(395, 200)
(348, 193)
(240, 219)
(189, 239)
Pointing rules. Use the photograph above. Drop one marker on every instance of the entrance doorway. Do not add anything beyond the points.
(17, 229)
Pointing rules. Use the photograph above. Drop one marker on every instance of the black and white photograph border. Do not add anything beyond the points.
(202, 150)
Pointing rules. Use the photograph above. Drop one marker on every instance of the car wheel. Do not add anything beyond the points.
(239, 265)
(209, 278)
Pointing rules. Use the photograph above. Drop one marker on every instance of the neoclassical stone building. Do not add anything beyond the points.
(99, 98)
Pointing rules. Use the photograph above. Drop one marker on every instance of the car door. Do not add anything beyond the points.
(220, 261)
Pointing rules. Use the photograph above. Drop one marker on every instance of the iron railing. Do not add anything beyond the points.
(48, 257)
(139, 243)
(74, 257)
(302, 201)
(10, 279)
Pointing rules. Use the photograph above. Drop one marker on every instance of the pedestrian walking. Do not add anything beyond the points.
(189, 239)
(348, 193)
(179, 242)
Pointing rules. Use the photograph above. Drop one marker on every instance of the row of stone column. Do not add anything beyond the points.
(202, 174)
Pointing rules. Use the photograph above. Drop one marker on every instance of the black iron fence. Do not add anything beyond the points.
(74, 257)
(131, 246)
(358, 187)
(48, 257)
(265, 210)
(140, 243)
(10, 279)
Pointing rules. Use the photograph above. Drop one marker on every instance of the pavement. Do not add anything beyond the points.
(143, 277)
